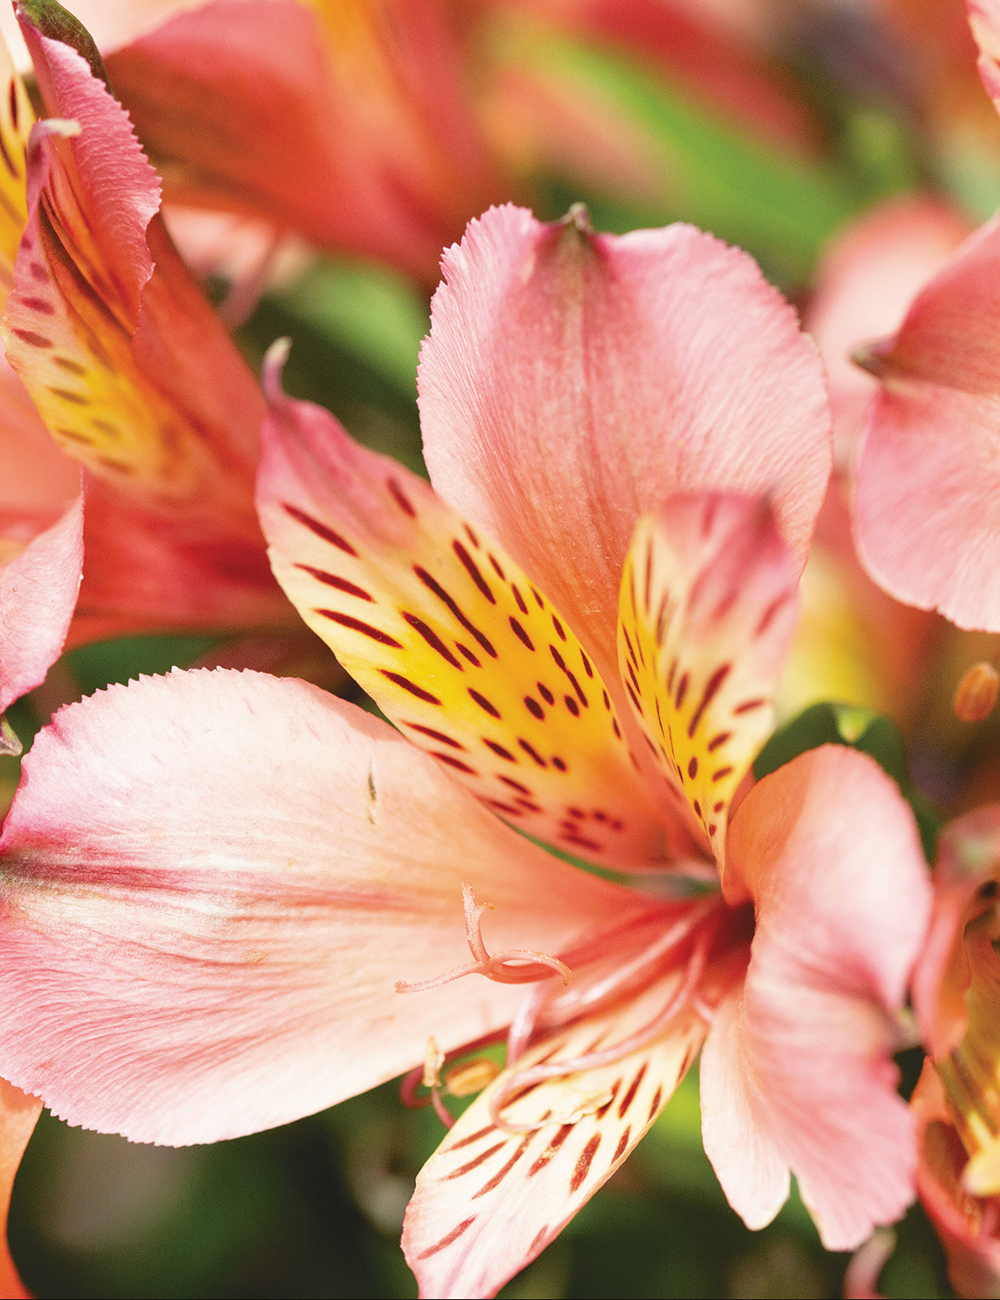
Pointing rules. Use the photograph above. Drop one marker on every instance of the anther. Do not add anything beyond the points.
(976, 693)
(470, 1077)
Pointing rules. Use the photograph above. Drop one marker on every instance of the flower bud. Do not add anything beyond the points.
(976, 693)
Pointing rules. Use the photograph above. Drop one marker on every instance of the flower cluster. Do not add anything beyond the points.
(657, 521)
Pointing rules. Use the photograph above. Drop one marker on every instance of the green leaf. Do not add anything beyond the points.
(858, 728)
(374, 313)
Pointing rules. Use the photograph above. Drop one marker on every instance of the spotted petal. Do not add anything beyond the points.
(707, 612)
(573, 382)
(450, 637)
(488, 1201)
(122, 357)
(16, 118)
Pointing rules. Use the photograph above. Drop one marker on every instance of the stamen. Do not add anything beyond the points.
(433, 1060)
(527, 965)
(627, 976)
(520, 1080)
(471, 1077)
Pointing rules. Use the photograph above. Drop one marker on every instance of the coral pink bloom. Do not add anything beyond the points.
(129, 370)
(258, 900)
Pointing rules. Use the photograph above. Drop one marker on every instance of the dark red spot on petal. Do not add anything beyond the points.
(447, 1240)
(412, 687)
(499, 750)
(356, 625)
(484, 703)
(334, 580)
(534, 707)
(321, 530)
(585, 1161)
(401, 499)
(473, 570)
(520, 633)
(439, 736)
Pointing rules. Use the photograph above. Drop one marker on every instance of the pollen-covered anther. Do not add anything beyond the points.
(471, 1077)
(434, 1058)
(512, 966)
(976, 694)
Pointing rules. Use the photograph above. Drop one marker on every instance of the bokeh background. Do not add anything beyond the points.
(772, 124)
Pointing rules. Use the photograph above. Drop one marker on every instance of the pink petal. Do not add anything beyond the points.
(18, 1115)
(797, 1072)
(38, 590)
(708, 607)
(866, 280)
(572, 382)
(928, 485)
(488, 1201)
(450, 638)
(350, 126)
(213, 881)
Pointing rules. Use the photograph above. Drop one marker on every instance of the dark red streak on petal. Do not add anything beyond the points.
(446, 1241)
(585, 1161)
(407, 685)
(432, 639)
(321, 530)
(356, 625)
(333, 580)
(473, 570)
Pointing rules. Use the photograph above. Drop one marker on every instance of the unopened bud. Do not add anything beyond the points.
(472, 1077)
(976, 693)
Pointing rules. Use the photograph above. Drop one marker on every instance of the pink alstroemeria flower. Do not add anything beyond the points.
(229, 900)
(927, 500)
(129, 370)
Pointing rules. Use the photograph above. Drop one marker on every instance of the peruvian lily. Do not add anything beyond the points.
(957, 997)
(928, 483)
(129, 371)
(230, 900)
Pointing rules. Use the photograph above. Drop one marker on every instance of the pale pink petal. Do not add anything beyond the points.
(212, 882)
(865, 281)
(708, 607)
(984, 18)
(488, 1201)
(573, 382)
(450, 638)
(797, 1072)
(928, 480)
(38, 590)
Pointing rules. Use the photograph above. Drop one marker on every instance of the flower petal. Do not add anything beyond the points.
(18, 1115)
(866, 280)
(573, 382)
(797, 1071)
(348, 122)
(212, 881)
(488, 1201)
(16, 118)
(928, 482)
(38, 590)
(450, 638)
(707, 611)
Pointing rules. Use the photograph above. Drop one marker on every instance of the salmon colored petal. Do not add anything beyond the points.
(573, 382)
(134, 376)
(928, 486)
(347, 122)
(488, 1201)
(797, 1071)
(707, 611)
(16, 118)
(450, 638)
(212, 882)
(19, 1113)
(866, 280)
(38, 590)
